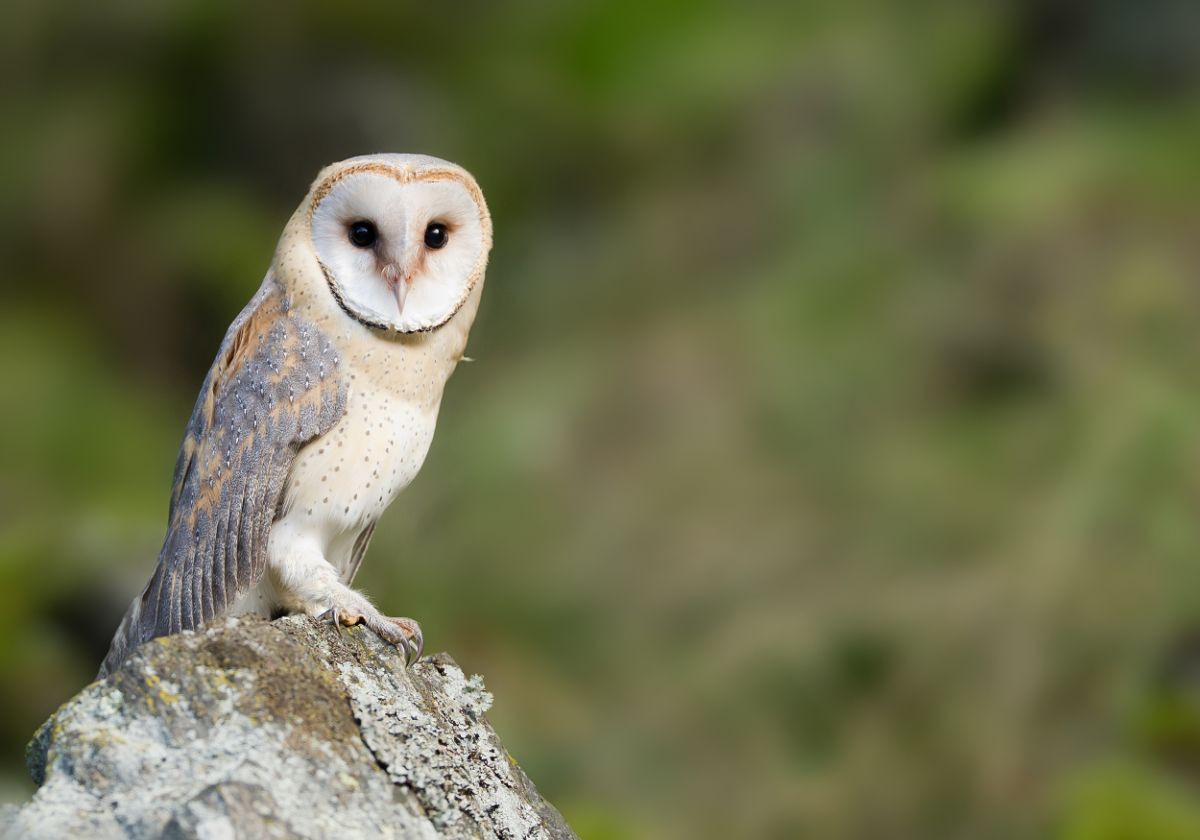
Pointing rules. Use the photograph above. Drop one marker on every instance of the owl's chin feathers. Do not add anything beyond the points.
(402, 305)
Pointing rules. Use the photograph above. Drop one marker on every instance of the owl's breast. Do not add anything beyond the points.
(348, 477)
(344, 480)
(353, 473)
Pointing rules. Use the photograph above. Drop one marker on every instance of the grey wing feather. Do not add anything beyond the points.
(274, 387)
(361, 543)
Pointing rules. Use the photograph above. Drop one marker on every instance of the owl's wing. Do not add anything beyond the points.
(274, 387)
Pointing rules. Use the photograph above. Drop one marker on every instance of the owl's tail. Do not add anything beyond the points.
(127, 637)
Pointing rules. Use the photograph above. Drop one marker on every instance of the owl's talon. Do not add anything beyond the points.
(418, 642)
(331, 616)
(341, 618)
(414, 639)
(403, 633)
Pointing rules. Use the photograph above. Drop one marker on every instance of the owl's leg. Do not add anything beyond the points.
(308, 583)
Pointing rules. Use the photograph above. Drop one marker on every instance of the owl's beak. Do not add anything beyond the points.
(400, 290)
(399, 284)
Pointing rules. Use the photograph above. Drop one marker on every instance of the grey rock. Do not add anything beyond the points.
(283, 729)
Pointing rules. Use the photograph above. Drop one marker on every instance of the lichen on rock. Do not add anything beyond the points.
(289, 728)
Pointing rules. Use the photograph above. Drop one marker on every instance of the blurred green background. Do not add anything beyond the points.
(831, 460)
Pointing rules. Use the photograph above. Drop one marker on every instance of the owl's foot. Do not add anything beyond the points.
(404, 633)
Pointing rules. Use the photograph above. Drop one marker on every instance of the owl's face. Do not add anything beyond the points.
(402, 241)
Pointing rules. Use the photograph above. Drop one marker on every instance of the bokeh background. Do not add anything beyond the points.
(830, 462)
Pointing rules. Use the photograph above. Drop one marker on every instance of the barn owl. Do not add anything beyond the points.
(321, 404)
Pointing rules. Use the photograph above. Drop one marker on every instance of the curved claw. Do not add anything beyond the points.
(331, 615)
(340, 618)
(418, 640)
(404, 633)
(414, 639)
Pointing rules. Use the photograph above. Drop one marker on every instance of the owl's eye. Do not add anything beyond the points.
(436, 235)
(363, 234)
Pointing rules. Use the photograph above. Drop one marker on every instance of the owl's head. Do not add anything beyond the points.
(401, 239)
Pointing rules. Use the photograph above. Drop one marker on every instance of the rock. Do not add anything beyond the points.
(284, 729)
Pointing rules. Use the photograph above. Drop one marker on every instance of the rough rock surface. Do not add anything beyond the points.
(282, 729)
